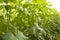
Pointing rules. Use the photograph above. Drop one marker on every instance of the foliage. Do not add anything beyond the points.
(28, 20)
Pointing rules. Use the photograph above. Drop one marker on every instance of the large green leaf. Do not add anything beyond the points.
(18, 36)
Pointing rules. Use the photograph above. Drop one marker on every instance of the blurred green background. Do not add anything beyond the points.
(28, 20)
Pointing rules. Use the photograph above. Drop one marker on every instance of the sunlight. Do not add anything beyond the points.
(56, 4)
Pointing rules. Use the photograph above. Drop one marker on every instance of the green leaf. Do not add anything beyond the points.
(9, 36)
(21, 36)
(18, 36)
